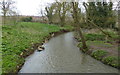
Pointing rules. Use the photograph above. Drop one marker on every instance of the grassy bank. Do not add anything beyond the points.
(17, 41)
(101, 47)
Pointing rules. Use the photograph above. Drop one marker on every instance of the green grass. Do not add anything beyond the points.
(99, 54)
(96, 41)
(94, 36)
(99, 43)
(112, 60)
(68, 27)
(17, 38)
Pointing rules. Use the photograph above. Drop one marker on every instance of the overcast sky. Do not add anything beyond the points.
(31, 7)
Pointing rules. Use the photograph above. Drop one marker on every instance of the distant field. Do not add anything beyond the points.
(17, 38)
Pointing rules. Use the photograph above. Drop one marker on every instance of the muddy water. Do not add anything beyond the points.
(61, 55)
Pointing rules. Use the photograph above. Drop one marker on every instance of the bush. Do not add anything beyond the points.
(93, 37)
(111, 60)
(99, 54)
(27, 19)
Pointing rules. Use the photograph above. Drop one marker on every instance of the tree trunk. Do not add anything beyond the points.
(100, 29)
(77, 24)
(63, 21)
(4, 18)
(82, 37)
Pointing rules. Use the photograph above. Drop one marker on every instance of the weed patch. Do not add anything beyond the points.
(93, 37)
(99, 54)
(112, 60)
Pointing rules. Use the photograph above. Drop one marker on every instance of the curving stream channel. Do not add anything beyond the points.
(61, 55)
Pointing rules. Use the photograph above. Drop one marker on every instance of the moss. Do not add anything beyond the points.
(99, 54)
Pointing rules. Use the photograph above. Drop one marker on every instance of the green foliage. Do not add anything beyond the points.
(93, 37)
(111, 60)
(17, 38)
(81, 47)
(119, 48)
(67, 27)
(99, 54)
(27, 19)
(10, 62)
(101, 14)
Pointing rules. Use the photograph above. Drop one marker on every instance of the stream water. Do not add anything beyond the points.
(61, 55)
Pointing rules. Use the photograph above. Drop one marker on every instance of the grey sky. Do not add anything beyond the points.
(32, 7)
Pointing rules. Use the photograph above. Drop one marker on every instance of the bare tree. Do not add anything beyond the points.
(14, 16)
(42, 16)
(62, 10)
(49, 12)
(6, 6)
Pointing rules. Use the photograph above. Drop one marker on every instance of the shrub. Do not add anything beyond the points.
(99, 54)
(27, 19)
(111, 60)
(81, 47)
